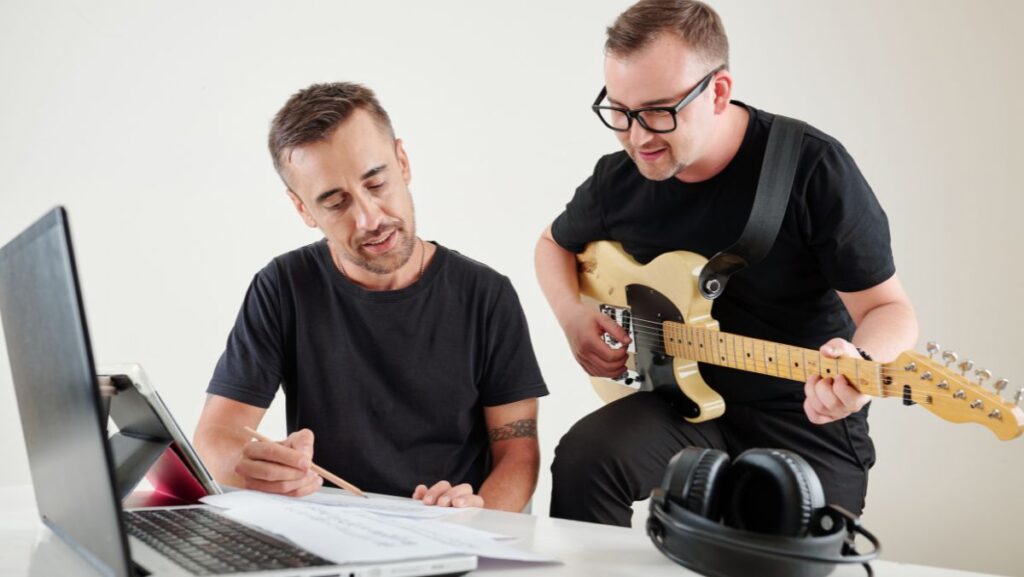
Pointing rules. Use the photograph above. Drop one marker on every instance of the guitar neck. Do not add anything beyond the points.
(768, 358)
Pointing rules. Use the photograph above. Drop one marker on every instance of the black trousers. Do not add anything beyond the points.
(617, 454)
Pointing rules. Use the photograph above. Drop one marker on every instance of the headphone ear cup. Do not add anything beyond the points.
(772, 491)
(693, 480)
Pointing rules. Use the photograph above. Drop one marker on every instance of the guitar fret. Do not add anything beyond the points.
(726, 337)
(764, 356)
(752, 355)
(856, 375)
(778, 369)
(735, 358)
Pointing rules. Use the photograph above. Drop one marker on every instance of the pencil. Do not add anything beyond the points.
(316, 468)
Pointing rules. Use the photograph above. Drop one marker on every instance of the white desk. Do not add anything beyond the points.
(27, 548)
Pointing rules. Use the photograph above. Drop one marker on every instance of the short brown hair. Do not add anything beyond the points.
(312, 113)
(695, 23)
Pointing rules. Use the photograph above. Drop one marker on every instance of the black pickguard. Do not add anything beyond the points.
(649, 308)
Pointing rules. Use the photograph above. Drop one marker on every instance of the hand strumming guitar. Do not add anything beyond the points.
(585, 328)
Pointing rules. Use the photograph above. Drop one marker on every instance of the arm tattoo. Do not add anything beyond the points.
(520, 428)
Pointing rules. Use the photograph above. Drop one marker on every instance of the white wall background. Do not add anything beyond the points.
(148, 121)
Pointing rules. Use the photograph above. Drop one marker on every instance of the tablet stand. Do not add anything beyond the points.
(143, 447)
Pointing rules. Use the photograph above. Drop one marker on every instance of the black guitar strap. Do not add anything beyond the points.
(770, 200)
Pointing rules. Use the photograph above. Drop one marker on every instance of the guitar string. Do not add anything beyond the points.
(657, 330)
(761, 366)
(945, 399)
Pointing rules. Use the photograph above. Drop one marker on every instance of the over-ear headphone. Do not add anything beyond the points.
(762, 514)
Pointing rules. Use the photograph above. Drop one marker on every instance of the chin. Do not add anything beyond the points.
(659, 173)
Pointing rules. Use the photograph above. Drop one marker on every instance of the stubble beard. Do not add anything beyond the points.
(653, 171)
(387, 263)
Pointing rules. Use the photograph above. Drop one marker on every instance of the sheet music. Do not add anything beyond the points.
(378, 505)
(348, 535)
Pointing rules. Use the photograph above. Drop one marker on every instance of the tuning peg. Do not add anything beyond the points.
(932, 347)
(983, 375)
(949, 357)
(1000, 385)
(1019, 396)
(965, 365)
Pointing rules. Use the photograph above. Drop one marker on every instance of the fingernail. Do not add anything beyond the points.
(305, 462)
(443, 501)
(459, 502)
(429, 499)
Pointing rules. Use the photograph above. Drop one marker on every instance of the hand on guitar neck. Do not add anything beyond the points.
(832, 399)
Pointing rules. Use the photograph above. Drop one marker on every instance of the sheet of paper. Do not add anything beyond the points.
(346, 535)
(378, 505)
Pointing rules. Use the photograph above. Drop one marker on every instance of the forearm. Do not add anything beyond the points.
(556, 273)
(887, 331)
(220, 448)
(513, 479)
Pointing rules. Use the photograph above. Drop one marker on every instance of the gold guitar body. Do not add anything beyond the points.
(605, 273)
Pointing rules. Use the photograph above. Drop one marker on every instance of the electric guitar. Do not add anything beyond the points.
(672, 330)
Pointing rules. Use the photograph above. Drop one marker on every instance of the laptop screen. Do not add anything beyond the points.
(58, 398)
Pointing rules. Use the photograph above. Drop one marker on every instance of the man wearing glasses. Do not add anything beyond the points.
(686, 181)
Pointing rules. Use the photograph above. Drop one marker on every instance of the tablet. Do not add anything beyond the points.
(137, 410)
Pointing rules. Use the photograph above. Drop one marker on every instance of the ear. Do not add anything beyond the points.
(403, 161)
(722, 89)
(300, 207)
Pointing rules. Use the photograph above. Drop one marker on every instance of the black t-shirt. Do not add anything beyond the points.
(834, 237)
(392, 383)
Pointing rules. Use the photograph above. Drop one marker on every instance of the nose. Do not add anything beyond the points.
(638, 135)
(368, 214)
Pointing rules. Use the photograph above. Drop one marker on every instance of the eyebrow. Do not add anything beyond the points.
(369, 173)
(659, 102)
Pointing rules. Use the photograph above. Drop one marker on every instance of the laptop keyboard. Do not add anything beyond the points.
(206, 543)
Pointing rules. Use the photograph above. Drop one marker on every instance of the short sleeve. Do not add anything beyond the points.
(849, 231)
(582, 221)
(510, 370)
(249, 371)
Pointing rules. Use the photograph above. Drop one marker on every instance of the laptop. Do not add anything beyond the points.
(72, 461)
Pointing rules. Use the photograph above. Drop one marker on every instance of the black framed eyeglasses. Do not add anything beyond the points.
(658, 119)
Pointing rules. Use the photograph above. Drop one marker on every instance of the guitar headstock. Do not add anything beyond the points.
(954, 390)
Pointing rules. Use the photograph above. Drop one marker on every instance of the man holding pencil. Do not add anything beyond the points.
(406, 365)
